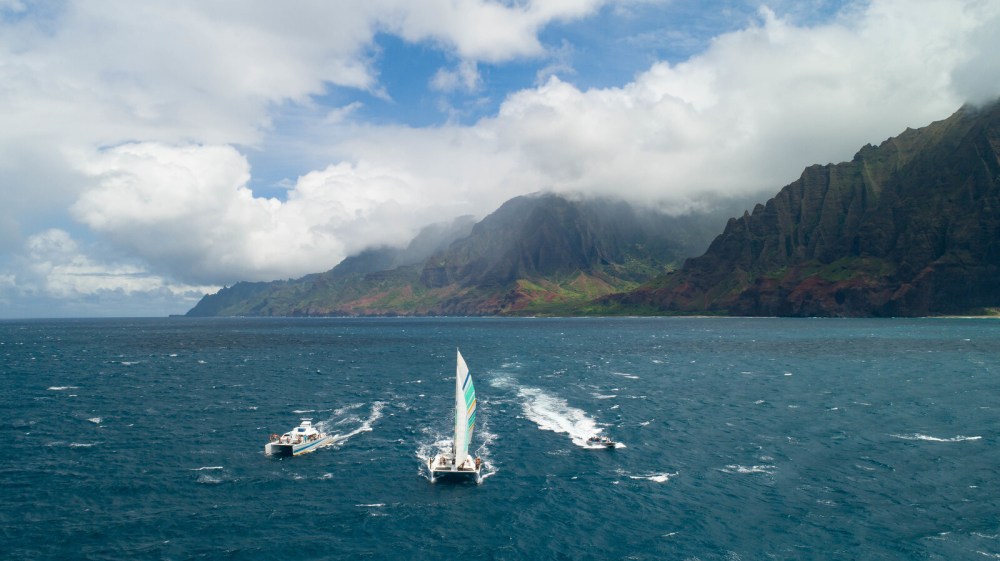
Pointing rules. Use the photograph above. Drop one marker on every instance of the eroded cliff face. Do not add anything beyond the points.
(911, 227)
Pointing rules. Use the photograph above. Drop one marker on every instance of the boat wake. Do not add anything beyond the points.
(918, 436)
(345, 416)
(552, 413)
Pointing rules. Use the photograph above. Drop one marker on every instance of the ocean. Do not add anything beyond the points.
(739, 439)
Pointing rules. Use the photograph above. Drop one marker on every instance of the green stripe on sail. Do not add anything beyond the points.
(470, 395)
(468, 432)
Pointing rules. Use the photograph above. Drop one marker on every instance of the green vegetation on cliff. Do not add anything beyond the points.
(911, 227)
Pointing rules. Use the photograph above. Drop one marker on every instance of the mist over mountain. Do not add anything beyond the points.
(908, 228)
(538, 253)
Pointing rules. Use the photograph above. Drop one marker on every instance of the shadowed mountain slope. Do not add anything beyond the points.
(908, 228)
(535, 254)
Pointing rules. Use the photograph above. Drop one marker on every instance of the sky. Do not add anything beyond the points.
(153, 152)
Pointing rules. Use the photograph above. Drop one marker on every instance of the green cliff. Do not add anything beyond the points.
(908, 228)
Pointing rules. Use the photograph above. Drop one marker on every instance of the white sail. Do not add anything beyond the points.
(465, 410)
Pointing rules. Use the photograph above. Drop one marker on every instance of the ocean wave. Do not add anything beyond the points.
(927, 438)
(624, 375)
(736, 468)
(656, 477)
(62, 388)
(206, 468)
(95, 420)
(206, 479)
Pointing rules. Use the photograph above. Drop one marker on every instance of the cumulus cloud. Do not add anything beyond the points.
(57, 276)
(130, 114)
(743, 117)
(187, 210)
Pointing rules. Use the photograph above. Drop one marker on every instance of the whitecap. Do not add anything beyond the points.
(656, 477)
(927, 438)
(372, 505)
(62, 388)
(205, 468)
(736, 468)
(95, 420)
(82, 444)
(624, 375)
(206, 479)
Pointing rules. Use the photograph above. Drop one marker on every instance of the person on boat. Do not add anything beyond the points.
(479, 462)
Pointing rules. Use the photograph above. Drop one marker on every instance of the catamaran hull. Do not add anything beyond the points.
(446, 470)
(283, 449)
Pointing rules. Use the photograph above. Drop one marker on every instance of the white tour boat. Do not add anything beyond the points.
(600, 441)
(458, 463)
(303, 438)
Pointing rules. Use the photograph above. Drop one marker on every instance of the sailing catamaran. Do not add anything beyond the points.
(458, 463)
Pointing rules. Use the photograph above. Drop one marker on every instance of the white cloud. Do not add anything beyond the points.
(128, 113)
(57, 276)
(746, 116)
(188, 211)
(464, 77)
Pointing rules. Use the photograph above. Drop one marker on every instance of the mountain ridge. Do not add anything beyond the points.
(908, 228)
(540, 253)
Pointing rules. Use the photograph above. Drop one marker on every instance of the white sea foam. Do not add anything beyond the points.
(95, 420)
(735, 468)
(656, 477)
(624, 375)
(62, 388)
(918, 436)
(365, 424)
(206, 468)
(82, 444)
(554, 414)
(206, 479)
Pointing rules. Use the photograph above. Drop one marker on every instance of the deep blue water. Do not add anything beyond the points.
(742, 439)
